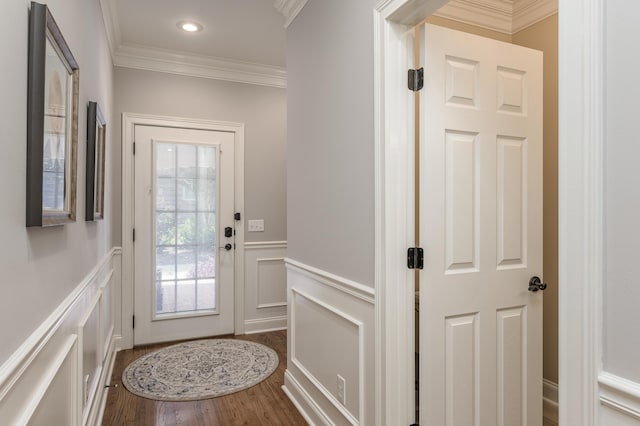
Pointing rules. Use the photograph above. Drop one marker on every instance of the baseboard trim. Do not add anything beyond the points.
(303, 401)
(99, 403)
(620, 394)
(550, 401)
(264, 325)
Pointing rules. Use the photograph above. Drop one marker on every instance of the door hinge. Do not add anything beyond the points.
(134, 235)
(134, 148)
(133, 322)
(416, 79)
(415, 258)
(236, 216)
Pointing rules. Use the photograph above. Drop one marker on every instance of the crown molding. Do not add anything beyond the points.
(151, 59)
(111, 25)
(494, 15)
(289, 9)
(504, 16)
(529, 12)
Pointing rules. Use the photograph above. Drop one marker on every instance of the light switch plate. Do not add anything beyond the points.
(256, 225)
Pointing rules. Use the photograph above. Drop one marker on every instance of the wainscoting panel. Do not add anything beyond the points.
(330, 370)
(619, 401)
(265, 286)
(58, 375)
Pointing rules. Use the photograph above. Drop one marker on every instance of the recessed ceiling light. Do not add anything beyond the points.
(189, 26)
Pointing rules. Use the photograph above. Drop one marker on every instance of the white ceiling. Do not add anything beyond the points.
(242, 37)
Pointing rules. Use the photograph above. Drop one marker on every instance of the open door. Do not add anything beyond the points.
(481, 229)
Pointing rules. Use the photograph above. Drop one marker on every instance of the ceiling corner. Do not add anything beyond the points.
(110, 18)
(505, 16)
(529, 12)
(493, 15)
(289, 9)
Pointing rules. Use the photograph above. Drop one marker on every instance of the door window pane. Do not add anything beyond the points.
(185, 255)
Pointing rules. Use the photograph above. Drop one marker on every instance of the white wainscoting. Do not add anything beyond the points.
(331, 333)
(58, 376)
(265, 286)
(619, 400)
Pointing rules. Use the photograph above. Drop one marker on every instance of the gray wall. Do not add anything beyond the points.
(622, 191)
(261, 109)
(330, 175)
(41, 266)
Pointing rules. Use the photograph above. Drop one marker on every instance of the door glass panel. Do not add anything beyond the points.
(185, 221)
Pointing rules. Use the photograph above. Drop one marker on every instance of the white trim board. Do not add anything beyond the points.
(498, 15)
(289, 9)
(152, 59)
(129, 121)
(27, 352)
(580, 216)
(352, 288)
(620, 394)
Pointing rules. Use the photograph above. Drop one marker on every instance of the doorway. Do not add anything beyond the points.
(183, 202)
(184, 249)
(395, 161)
(481, 230)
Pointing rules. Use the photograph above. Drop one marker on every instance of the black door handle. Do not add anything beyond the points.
(535, 284)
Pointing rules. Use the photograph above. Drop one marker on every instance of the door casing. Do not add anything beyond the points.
(581, 177)
(129, 121)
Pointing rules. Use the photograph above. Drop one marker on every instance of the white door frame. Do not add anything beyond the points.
(581, 120)
(129, 121)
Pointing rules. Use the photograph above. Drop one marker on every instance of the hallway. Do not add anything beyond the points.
(263, 404)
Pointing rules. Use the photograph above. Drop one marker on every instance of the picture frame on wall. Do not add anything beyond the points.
(96, 145)
(52, 123)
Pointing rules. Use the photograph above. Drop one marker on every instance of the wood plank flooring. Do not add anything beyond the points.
(263, 404)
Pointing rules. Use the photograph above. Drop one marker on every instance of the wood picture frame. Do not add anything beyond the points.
(52, 123)
(96, 143)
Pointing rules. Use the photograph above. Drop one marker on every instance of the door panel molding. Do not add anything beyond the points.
(129, 121)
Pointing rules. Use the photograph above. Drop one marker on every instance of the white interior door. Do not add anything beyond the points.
(184, 256)
(481, 228)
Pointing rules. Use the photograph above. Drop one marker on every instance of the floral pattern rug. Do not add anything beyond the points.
(200, 369)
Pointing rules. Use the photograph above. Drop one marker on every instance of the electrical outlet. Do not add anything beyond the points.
(342, 390)
(256, 225)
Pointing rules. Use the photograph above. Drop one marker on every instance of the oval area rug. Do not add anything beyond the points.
(199, 369)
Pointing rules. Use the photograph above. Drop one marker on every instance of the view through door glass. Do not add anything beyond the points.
(185, 229)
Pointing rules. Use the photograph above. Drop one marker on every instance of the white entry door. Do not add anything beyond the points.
(481, 229)
(184, 233)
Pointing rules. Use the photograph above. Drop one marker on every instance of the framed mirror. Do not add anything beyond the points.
(52, 123)
(96, 140)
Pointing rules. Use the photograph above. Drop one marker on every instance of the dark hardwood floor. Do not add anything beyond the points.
(263, 404)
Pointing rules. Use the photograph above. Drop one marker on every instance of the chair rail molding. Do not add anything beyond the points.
(58, 375)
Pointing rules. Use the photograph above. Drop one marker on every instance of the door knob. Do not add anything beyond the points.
(535, 284)
(228, 246)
